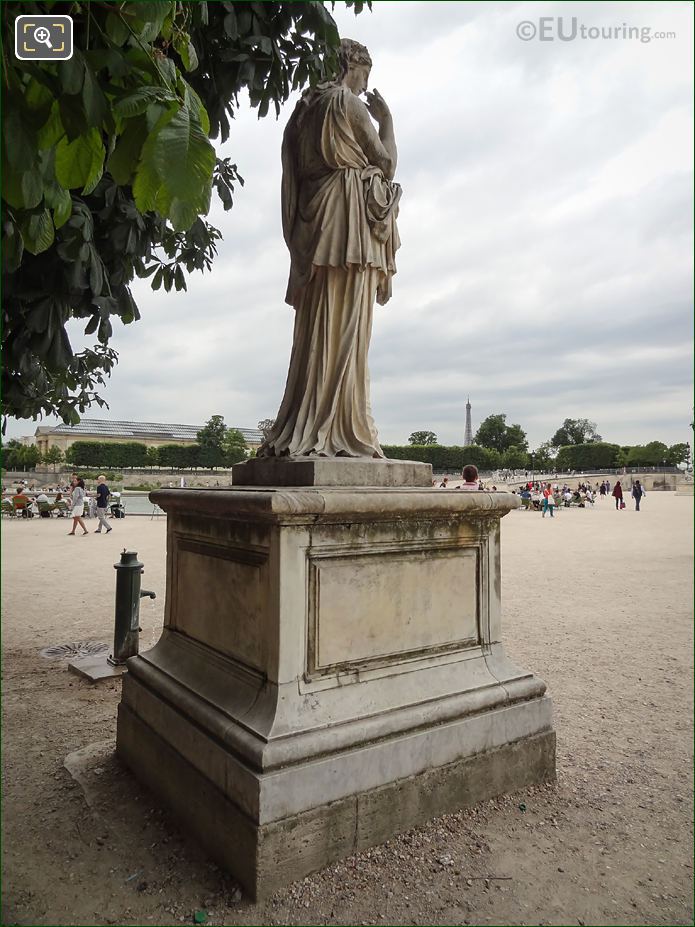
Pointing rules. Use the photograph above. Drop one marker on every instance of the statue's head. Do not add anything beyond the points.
(355, 65)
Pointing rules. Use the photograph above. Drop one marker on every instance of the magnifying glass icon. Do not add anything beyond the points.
(43, 36)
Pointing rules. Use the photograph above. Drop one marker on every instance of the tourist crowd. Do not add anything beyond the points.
(72, 500)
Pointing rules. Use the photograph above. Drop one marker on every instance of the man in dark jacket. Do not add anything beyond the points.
(102, 504)
(637, 493)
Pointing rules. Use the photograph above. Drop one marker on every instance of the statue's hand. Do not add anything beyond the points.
(377, 107)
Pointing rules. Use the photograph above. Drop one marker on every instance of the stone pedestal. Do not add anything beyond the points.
(330, 672)
(331, 471)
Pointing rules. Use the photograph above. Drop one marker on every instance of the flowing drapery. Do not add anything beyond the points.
(339, 222)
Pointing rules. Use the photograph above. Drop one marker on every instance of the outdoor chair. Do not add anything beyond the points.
(7, 507)
(46, 507)
(61, 507)
(23, 509)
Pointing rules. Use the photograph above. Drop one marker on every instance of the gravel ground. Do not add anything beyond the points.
(596, 602)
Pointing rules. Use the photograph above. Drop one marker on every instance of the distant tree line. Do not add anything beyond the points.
(217, 446)
(18, 456)
(455, 457)
(576, 445)
(133, 455)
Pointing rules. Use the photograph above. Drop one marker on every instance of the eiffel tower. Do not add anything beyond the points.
(468, 434)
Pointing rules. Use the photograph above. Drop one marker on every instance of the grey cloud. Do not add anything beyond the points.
(546, 265)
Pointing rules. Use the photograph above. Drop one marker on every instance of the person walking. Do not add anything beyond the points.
(548, 500)
(102, 504)
(618, 495)
(78, 507)
(637, 493)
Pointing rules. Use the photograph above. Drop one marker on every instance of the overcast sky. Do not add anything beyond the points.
(546, 226)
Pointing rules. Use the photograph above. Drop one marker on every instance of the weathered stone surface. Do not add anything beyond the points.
(95, 667)
(265, 857)
(330, 471)
(322, 645)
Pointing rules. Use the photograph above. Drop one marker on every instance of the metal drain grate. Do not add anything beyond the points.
(75, 649)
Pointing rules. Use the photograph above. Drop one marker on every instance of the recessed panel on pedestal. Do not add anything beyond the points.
(220, 595)
(389, 605)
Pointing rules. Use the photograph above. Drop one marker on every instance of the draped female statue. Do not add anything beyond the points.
(339, 208)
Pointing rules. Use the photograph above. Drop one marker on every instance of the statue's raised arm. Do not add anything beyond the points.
(339, 208)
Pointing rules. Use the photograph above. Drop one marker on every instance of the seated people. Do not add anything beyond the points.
(22, 502)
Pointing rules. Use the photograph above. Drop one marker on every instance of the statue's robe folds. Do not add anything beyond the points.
(339, 221)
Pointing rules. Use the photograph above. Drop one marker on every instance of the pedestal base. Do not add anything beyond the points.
(265, 857)
(330, 673)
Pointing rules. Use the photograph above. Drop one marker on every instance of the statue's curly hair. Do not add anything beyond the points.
(351, 52)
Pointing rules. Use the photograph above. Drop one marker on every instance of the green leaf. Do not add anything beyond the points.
(91, 326)
(112, 59)
(60, 201)
(12, 247)
(95, 105)
(52, 131)
(123, 161)
(158, 113)
(116, 29)
(148, 18)
(60, 353)
(167, 29)
(22, 189)
(146, 184)
(265, 44)
(78, 163)
(195, 104)
(38, 232)
(176, 163)
(229, 24)
(180, 280)
(137, 102)
(71, 74)
(72, 116)
(37, 96)
(189, 57)
(185, 159)
(96, 272)
(167, 67)
(62, 211)
(95, 177)
(19, 140)
(181, 43)
(183, 213)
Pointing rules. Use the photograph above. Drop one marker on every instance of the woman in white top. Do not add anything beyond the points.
(78, 507)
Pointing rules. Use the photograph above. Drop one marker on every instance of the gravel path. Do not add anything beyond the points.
(598, 603)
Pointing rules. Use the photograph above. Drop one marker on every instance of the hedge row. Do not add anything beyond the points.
(445, 458)
(131, 454)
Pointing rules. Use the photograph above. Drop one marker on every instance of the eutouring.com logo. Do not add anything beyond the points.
(563, 29)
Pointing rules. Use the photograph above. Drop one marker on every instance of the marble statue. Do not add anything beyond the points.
(339, 208)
